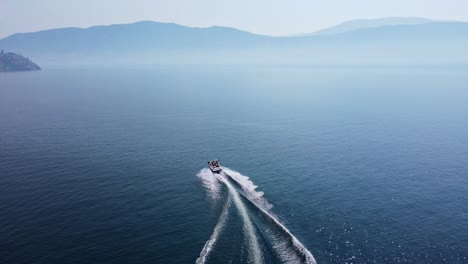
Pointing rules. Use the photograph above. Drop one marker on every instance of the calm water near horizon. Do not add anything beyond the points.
(361, 165)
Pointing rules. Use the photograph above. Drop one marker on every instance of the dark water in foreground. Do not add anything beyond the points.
(363, 165)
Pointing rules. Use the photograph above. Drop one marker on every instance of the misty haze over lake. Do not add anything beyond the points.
(378, 42)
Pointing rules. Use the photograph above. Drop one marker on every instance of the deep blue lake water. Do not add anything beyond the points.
(361, 165)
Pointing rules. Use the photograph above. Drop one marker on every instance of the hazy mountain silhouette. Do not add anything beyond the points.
(369, 23)
(153, 42)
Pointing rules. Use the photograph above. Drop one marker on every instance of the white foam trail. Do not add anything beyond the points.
(260, 202)
(249, 189)
(210, 183)
(283, 248)
(255, 252)
(216, 232)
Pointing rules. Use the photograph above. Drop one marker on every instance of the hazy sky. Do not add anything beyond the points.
(270, 17)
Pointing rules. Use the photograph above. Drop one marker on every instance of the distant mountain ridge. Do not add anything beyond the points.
(358, 24)
(167, 43)
(138, 37)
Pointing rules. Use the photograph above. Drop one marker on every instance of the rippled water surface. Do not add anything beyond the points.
(360, 165)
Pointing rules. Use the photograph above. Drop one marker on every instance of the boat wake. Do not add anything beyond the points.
(214, 237)
(255, 253)
(242, 192)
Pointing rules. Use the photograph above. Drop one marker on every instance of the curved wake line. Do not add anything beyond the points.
(216, 232)
(249, 187)
(256, 253)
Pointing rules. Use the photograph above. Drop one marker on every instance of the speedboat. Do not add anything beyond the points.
(214, 166)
